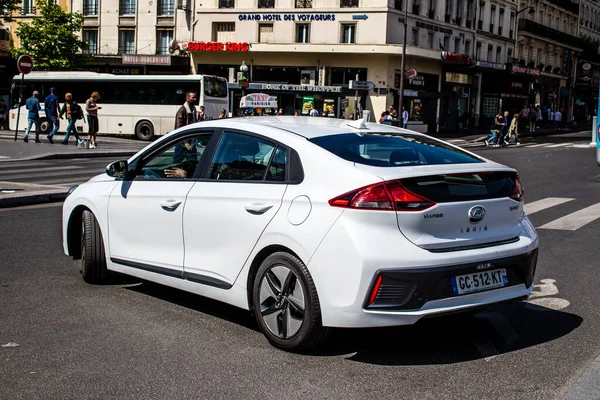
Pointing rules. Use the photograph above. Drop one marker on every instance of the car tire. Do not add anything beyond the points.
(93, 257)
(144, 130)
(286, 304)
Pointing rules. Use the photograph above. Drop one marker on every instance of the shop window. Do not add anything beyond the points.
(126, 41)
(27, 7)
(303, 3)
(165, 7)
(348, 3)
(302, 33)
(223, 32)
(163, 41)
(265, 33)
(90, 7)
(126, 7)
(415, 37)
(91, 37)
(348, 33)
(266, 3)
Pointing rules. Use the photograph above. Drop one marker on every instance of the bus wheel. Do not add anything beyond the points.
(144, 130)
(44, 126)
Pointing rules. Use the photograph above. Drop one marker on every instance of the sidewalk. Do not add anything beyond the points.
(582, 131)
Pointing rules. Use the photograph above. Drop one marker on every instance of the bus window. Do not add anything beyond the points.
(215, 87)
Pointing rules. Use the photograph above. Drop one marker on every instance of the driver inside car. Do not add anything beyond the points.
(186, 155)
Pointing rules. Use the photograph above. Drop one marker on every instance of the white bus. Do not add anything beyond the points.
(142, 105)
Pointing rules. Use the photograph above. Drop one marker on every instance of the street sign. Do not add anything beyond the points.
(361, 85)
(25, 64)
(360, 17)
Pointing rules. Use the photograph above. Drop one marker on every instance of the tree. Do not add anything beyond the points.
(8, 7)
(51, 39)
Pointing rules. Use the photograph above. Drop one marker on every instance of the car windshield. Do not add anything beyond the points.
(398, 150)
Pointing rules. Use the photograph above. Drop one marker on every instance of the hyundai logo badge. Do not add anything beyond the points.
(476, 214)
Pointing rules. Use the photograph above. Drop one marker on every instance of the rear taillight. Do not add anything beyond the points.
(392, 196)
(518, 192)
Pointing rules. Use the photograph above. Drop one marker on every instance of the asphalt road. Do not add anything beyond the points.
(139, 340)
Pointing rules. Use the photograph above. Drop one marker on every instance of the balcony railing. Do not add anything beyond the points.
(127, 49)
(526, 25)
(348, 3)
(303, 3)
(266, 3)
(567, 5)
(226, 3)
(126, 8)
(90, 8)
(165, 7)
(164, 50)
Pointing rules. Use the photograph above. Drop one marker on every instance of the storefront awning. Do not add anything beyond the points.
(258, 100)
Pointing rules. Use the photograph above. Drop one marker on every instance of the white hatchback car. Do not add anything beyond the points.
(309, 223)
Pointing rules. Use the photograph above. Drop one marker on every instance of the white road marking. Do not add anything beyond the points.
(575, 220)
(454, 141)
(547, 288)
(543, 204)
(541, 296)
(537, 145)
(551, 303)
(560, 145)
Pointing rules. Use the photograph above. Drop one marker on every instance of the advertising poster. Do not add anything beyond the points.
(329, 107)
(307, 103)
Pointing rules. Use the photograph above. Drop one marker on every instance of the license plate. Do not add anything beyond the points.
(479, 281)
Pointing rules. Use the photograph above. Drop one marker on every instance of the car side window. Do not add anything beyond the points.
(177, 161)
(246, 158)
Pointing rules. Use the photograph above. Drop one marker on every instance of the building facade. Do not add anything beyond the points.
(588, 66)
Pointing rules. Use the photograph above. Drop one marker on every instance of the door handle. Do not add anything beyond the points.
(258, 209)
(170, 205)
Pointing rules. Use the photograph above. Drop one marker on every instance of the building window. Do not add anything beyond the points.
(165, 7)
(512, 26)
(530, 54)
(90, 7)
(489, 53)
(481, 9)
(91, 37)
(498, 54)
(223, 32)
(468, 47)
(458, 14)
(163, 41)
(448, 11)
(430, 40)
(27, 7)
(416, 6)
(226, 3)
(509, 55)
(539, 56)
(492, 18)
(478, 51)
(266, 3)
(302, 33)
(126, 7)
(520, 52)
(415, 37)
(126, 41)
(457, 45)
(348, 33)
(501, 22)
(348, 3)
(265, 33)
(303, 3)
(446, 43)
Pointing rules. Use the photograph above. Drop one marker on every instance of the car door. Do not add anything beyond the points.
(145, 213)
(227, 212)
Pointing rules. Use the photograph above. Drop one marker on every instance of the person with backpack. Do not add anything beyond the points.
(51, 107)
(73, 112)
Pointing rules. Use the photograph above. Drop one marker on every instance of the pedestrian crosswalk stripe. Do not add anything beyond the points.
(575, 220)
(543, 204)
(29, 175)
(537, 145)
(560, 145)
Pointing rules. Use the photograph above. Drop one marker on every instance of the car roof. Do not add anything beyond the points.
(312, 127)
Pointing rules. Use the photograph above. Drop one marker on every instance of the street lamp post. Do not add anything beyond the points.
(401, 100)
(531, 11)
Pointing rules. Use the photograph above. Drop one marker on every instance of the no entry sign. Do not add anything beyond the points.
(25, 64)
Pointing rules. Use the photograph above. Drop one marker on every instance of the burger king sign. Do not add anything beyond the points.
(411, 74)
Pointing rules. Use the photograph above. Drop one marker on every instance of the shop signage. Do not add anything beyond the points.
(301, 88)
(518, 69)
(258, 100)
(308, 103)
(411, 73)
(215, 46)
(361, 85)
(485, 64)
(410, 93)
(287, 17)
(584, 74)
(124, 71)
(456, 58)
(145, 59)
(434, 28)
(455, 77)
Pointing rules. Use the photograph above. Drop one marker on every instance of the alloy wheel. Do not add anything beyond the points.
(282, 302)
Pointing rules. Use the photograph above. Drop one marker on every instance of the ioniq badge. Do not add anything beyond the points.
(476, 214)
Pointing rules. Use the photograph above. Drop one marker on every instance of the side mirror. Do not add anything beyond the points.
(118, 169)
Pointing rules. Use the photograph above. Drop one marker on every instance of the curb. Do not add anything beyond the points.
(31, 198)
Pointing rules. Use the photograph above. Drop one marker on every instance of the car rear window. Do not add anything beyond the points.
(398, 150)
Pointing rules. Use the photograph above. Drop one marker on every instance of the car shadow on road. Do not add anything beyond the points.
(454, 338)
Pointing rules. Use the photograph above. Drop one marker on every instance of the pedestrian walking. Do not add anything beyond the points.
(513, 131)
(558, 119)
(494, 132)
(92, 109)
(404, 117)
(187, 113)
(532, 119)
(313, 112)
(504, 129)
(3, 114)
(202, 114)
(73, 112)
(51, 107)
(33, 116)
